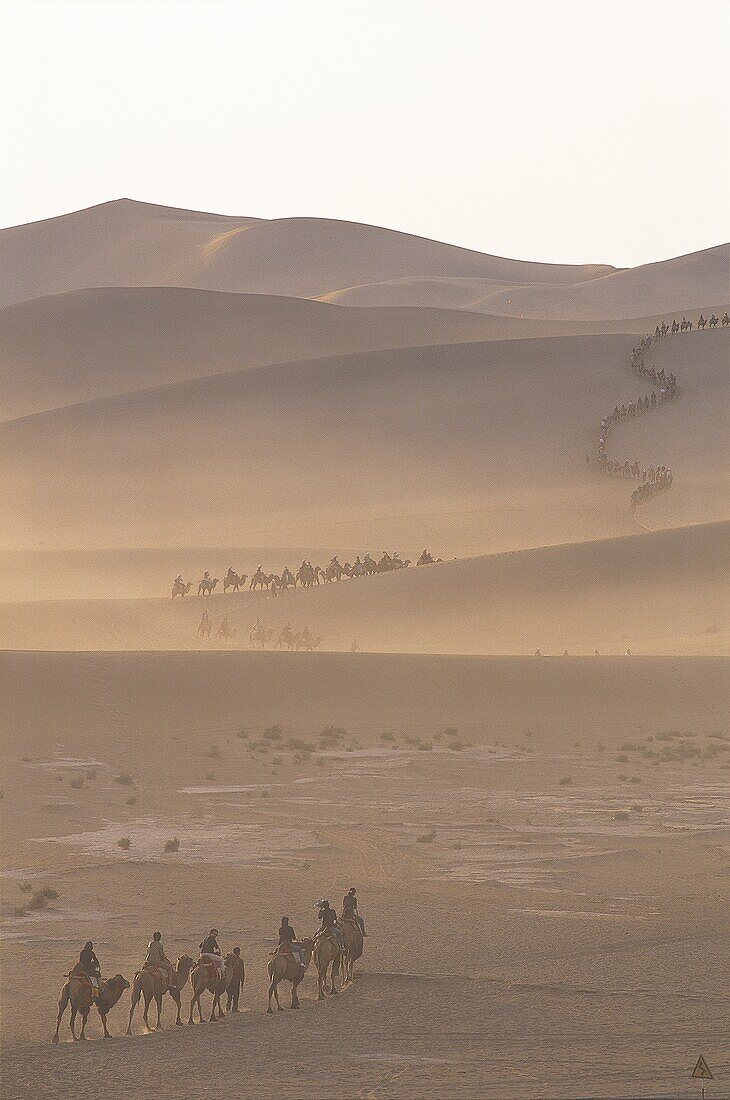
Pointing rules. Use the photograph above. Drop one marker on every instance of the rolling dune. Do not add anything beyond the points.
(665, 592)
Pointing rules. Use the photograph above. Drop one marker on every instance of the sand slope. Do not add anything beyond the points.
(480, 443)
(664, 592)
(74, 347)
(127, 243)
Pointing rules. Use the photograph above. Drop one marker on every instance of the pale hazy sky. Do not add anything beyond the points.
(557, 130)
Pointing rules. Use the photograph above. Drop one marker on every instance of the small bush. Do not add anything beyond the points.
(622, 778)
(621, 815)
(124, 843)
(214, 752)
(628, 746)
(49, 893)
(91, 773)
(427, 838)
(565, 781)
(635, 779)
(296, 744)
(265, 794)
(20, 911)
(210, 776)
(456, 746)
(277, 761)
(622, 758)
(273, 733)
(78, 783)
(387, 736)
(243, 734)
(131, 801)
(25, 887)
(637, 809)
(37, 901)
(425, 746)
(450, 731)
(172, 845)
(124, 779)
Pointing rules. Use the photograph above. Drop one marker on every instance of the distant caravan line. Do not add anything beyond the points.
(659, 478)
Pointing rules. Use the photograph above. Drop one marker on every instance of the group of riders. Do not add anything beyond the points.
(658, 478)
(230, 966)
(306, 576)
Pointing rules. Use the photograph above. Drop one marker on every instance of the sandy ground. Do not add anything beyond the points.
(545, 882)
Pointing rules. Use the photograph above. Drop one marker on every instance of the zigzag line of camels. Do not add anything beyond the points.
(658, 478)
(334, 950)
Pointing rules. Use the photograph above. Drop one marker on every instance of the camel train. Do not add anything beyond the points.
(334, 951)
(306, 576)
(656, 478)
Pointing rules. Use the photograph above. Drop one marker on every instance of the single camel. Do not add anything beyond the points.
(151, 982)
(353, 941)
(327, 954)
(181, 589)
(79, 993)
(204, 977)
(283, 967)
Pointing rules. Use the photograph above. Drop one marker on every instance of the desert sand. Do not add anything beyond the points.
(539, 844)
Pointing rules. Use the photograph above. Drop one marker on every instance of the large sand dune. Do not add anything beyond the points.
(69, 348)
(482, 444)
(126, 243)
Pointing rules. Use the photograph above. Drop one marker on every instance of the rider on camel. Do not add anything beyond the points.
(328, 922)
(349, 907)
(288, 940)
(211, 952)
(156, 957)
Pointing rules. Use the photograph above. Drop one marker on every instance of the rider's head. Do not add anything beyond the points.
(236, 950)
(285, 920)
(157, 935)
(213, 932)
(351, 891)
(88, 944)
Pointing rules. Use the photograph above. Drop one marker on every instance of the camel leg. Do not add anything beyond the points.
(175, 994)
(320, 991)
(216, 1002)
(145, 1013)
(62, 1005)
(272, 991)
(192, 1006)
(294, 997)
(158, 998)
(334, 972)
(135, 1001)
(84, 1018)
(73, 1023)
(107, 1034)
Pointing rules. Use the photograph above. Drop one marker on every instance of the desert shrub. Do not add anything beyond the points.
(172, 845)
(565, 781)
(265, 794)
(49, 893)
(243, 734)
(425, 746)
(277, 761)
(456, 746)
(427, 838)
(20, 911)
(635, 779)
(628, 746)
(272, 733)
(124, 843)
(214, 752)
(124, 779)
(38, 901)
(387, 736)
(77, 783)
(296, 744)
(131, 801)
(637, 809)
(622, 758)
(91, 773)
(622, 778)
(210, 776)
(449, 731)
(25, 887)
(712, 629)
(621, 815)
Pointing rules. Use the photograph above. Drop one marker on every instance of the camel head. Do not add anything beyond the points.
(112, 990)
(185, 964)
(307, 949)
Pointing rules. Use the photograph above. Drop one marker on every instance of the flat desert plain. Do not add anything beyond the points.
(539, 842)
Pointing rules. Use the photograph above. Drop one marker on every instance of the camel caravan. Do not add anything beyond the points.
(333, 952)
(306, 576)
(657, 478)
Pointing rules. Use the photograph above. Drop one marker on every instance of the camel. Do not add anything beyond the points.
(79, 993)
(151, 982)
(234, 581)
(283, 967)
(181, 589)
(260, 635)
(701, 322)
(204, 976)
(353, 940)
(300, 641)
(206, 586)
(259, 580)
(327, 954)
(713, 321)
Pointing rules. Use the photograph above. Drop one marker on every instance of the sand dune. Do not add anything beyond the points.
(688, 283)
(74, 347)
(480, 443)
(127, 243)
(664, 592)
